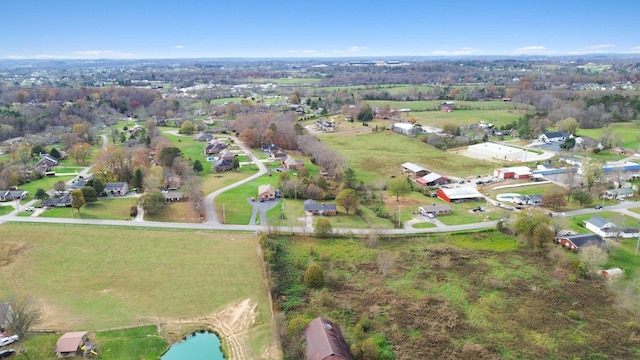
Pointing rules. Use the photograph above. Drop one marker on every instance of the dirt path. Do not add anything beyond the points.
(232, 324)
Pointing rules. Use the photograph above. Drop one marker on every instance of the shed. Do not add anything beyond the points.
(325, 341)
(70, 344)
(414, 169)
(459, 194)
(612, 272)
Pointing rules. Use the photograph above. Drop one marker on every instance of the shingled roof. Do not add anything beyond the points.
(325, 341)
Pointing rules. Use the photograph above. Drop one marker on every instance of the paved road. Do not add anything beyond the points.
(213, 222)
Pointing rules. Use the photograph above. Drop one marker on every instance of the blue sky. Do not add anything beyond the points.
(230, 28)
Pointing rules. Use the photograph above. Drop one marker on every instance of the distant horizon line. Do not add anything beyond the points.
(311, 58)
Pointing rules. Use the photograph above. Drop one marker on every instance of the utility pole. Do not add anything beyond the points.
(637, 245)
(223, 215)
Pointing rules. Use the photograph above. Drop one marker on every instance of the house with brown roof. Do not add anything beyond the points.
(325, 341)
(214, 147)
(290, 163)
(266, 192)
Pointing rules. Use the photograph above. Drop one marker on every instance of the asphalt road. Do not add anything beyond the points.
(213, 223)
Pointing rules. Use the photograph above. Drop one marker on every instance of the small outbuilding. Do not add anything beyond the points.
(325, 341)
(71, 343)
(612, 273)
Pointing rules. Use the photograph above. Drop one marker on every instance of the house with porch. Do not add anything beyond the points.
(618, 193)
(554, 136)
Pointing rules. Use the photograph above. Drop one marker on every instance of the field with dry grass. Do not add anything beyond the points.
(92, 277)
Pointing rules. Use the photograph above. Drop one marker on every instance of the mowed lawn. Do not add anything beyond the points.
(92, 277)
(378, 156)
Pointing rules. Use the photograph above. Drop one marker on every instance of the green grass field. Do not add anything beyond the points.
(107, 209)
(629, 133)
(378, 156)
(92, 277)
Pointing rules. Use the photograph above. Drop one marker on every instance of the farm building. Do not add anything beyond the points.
(515, 172)
(414, 170)
(439, 209)
(432, 179)
(459, 194)
(266, 192)
(325, 341)
(314, 208)
(70, 344)
(497, 151)
(408, 129)
(576, 242)
(446, 106)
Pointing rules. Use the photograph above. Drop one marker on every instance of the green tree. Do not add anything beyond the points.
(55, 153)
(77, 199)
(187, 128)
(138, 179)
(90, 194)
(36, 150)
(98, 186)
(314, 276)
(80, 152)
(235, 164)
(399, 187)
(168, 154)
(59, 186)
(592, 174)
(554, 198)
(349, 178)
(348, 199)
(365, 113)
(527, 221)
(323, 227)
(41, 194)
(582, 196)
(152, 202)
(197, 166)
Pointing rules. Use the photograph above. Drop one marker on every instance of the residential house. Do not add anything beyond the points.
(414, 170)
(116, 188)
(62, 201)
(629, 233)
(226, 154)
(408, 129)
(214, 147)
(432, 179)
(171, 196)
(601, 226)
(222, 164)
(71, 344)
(46, 161)
(586, 142)
(325, 341)
(446, 106)
(9, 195)
(554, 137)
(203, 137)
(266, 192)
(291, 163)
(618, 193)
(326, 126)
(435, 209)
(268, 149)
(528, 199)
(314, 208)
(577, 242)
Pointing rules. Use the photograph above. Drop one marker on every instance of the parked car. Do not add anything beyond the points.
(599, 207)
(6, 353)
(430, 215)
(8, 340)
(30, 209)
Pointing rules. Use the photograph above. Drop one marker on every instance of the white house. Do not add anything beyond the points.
(602, 227)
(554, 137)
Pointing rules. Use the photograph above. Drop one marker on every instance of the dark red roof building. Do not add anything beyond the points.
(325, 341)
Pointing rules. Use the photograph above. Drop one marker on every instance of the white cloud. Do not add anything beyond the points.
(179, 47)
(635, 50)
(461, 51)
(305, 52)
(357, 48)
(592, 49)
(110, 54)
(537, 49)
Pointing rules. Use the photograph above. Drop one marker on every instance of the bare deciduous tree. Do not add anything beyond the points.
(23, 313)
(385, 262)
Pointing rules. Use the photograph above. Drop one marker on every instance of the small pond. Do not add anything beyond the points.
(197, 346)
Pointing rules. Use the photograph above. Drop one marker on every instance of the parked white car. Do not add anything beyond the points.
(30, 209)
(8, 340)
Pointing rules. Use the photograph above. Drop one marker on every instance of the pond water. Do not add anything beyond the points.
(197, 346)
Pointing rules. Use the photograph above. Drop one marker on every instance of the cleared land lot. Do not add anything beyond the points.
(92, 278)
